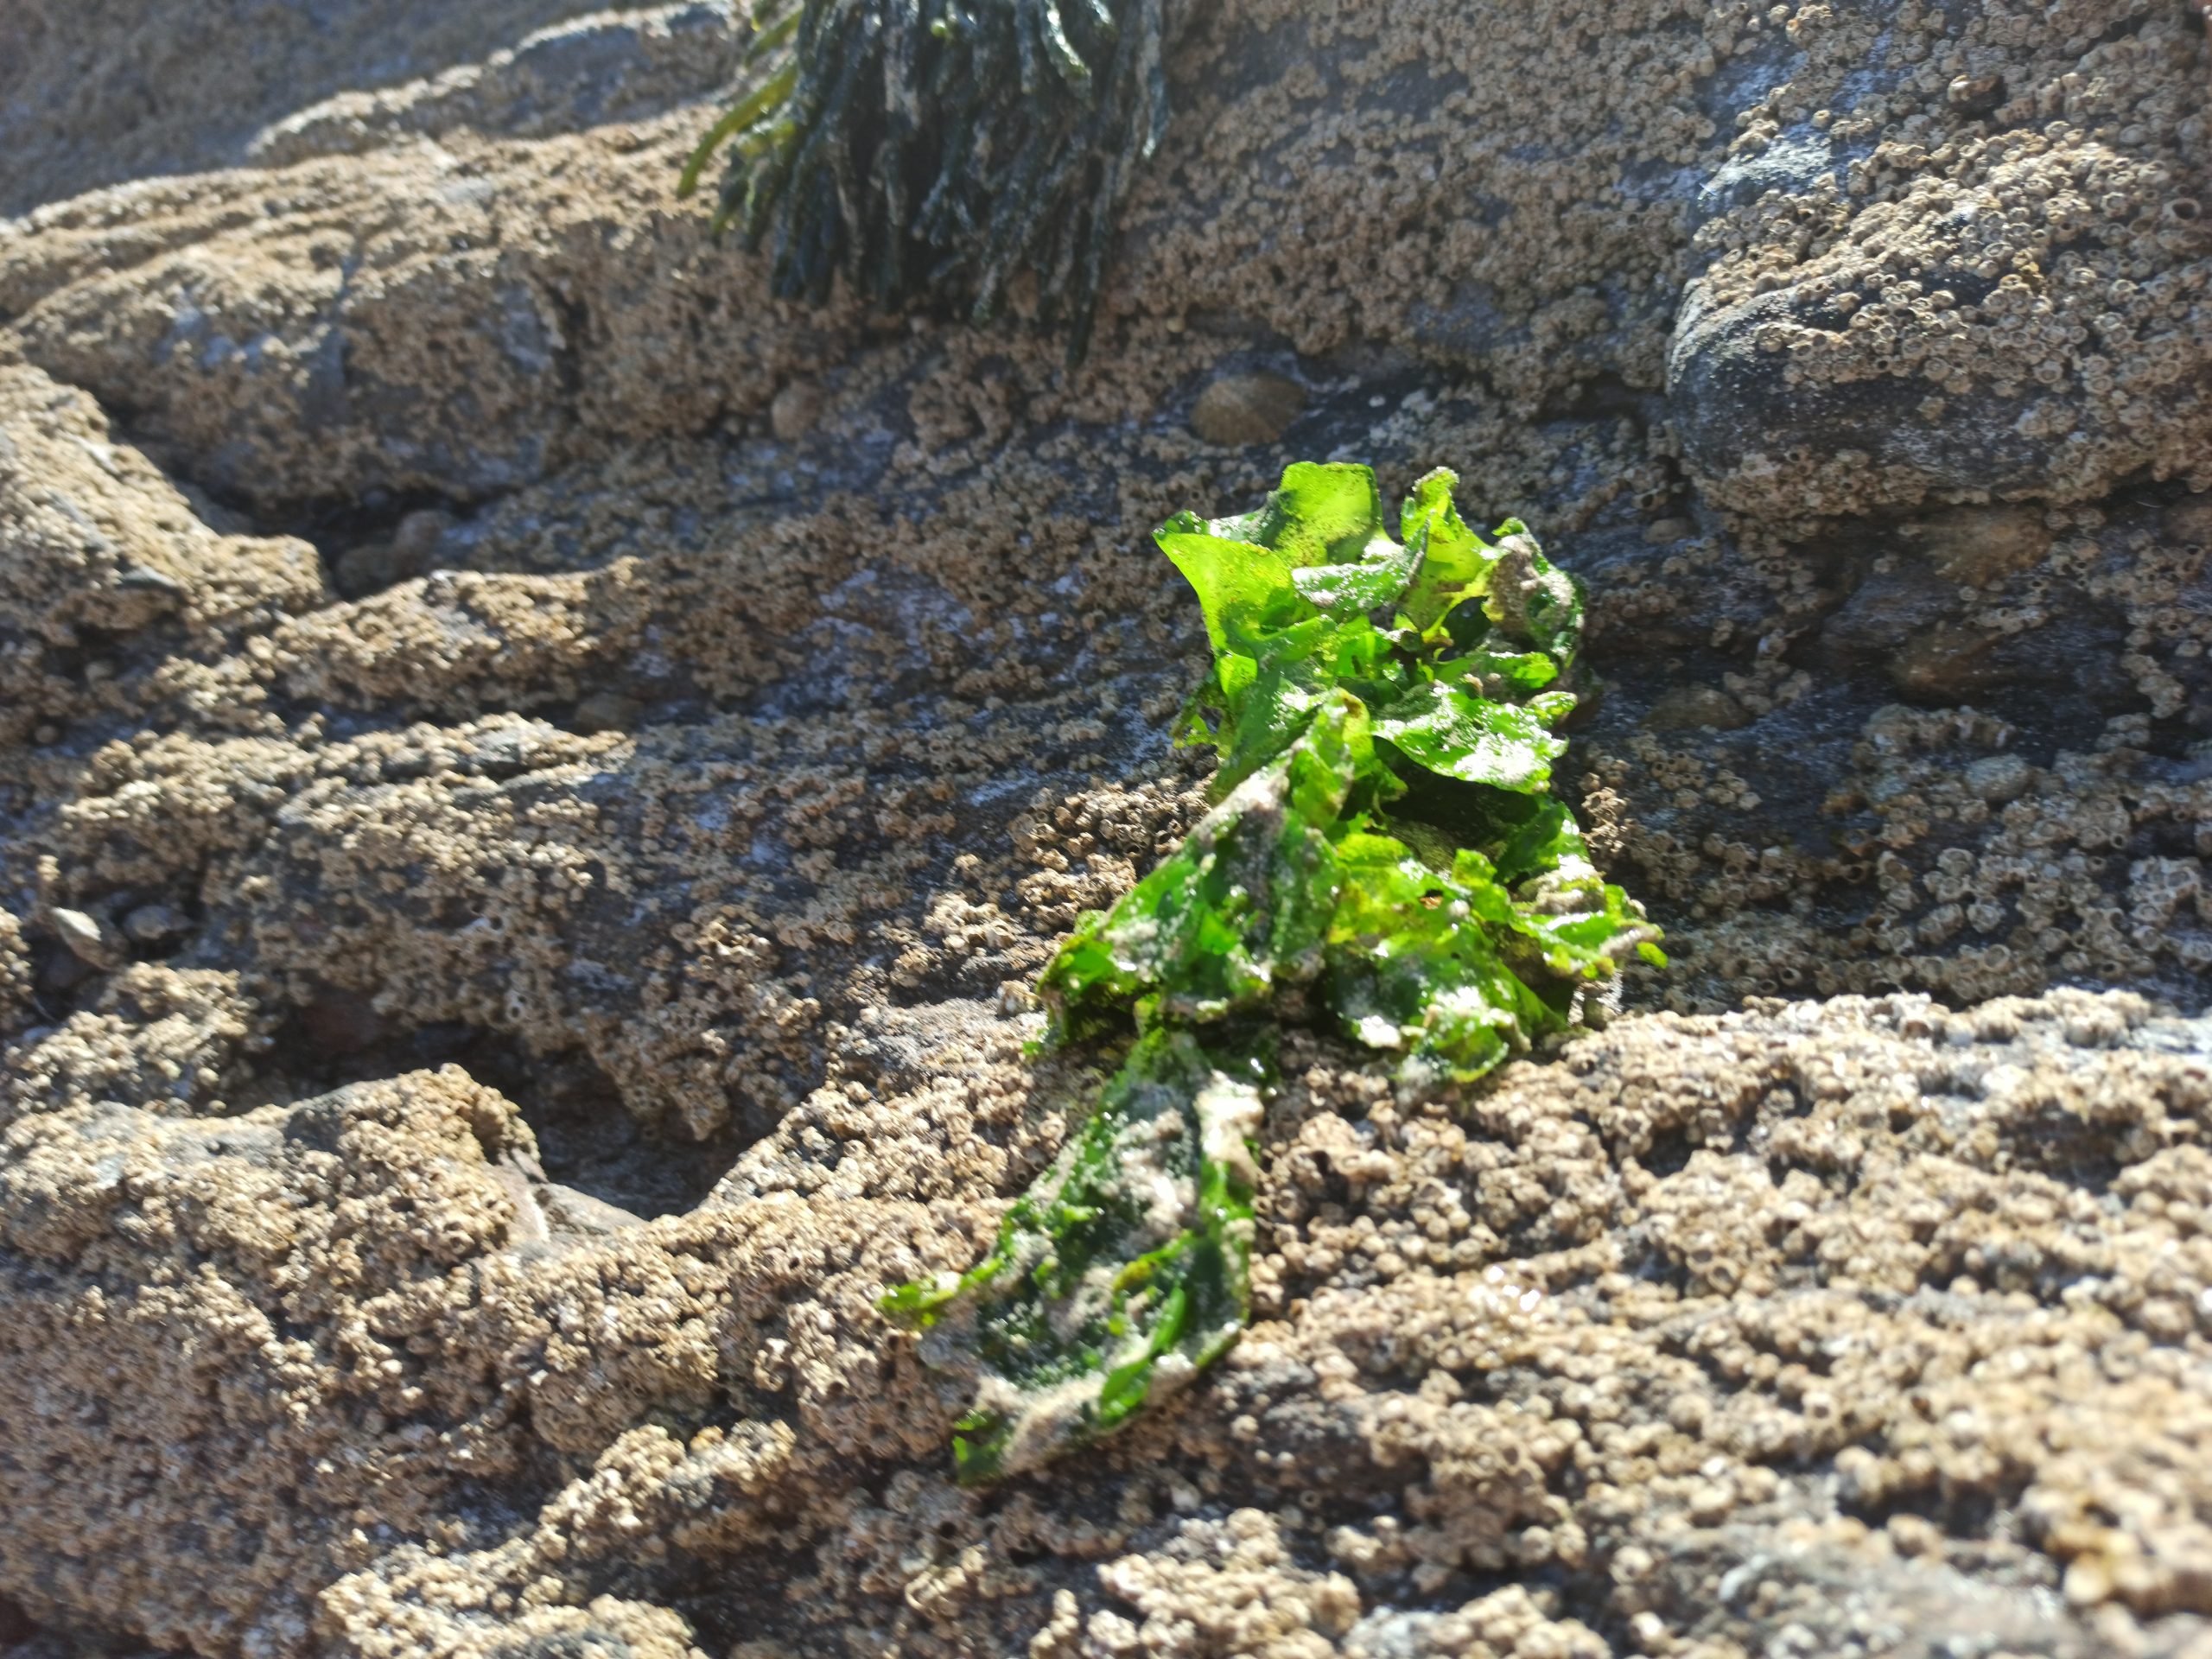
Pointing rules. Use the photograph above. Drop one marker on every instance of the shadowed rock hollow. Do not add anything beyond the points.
(527, 770)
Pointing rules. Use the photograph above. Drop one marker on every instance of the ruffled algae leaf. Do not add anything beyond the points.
(1414, 971)
(1238, 914)
(1455, 733)
(1384, 856)
(1120, 1274)
(1454, 562)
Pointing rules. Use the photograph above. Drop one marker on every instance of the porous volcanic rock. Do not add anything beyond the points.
(533, 777)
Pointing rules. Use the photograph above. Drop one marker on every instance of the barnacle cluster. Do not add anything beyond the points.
(932, 150)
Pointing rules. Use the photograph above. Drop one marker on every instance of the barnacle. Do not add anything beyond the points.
(1383, 850)
(930, 149)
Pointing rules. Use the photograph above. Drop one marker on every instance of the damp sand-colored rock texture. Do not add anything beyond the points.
(537, 778)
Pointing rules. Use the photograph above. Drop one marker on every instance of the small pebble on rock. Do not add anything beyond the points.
(1998, 778)
(144, 579)
(607, 711)
(416, 539)
(1239, 409)
(793, 411)
(1686, 707)
(368, 568)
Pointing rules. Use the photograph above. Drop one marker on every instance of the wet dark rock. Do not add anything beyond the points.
(156, 923)
(1689, 707)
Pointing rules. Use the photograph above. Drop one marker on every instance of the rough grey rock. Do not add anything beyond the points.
(610, 906)
(1988, 300)
(92, 94)
(611, 66)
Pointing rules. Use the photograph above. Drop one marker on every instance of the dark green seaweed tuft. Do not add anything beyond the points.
(930, 150)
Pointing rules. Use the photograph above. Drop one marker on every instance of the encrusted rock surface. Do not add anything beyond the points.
(1662, 1336)
(1991, 283)
(531, 778)
(93, 91)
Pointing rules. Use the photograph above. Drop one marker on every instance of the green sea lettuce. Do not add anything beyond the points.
(1121, 1273)
(1371, 695)
(1383, 855)
(1240, 913)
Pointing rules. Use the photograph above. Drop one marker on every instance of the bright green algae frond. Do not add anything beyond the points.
(1384, 856)
(1385, 851)
(931, 148)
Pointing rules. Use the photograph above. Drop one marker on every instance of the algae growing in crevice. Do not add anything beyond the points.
(932, 150)
(1384, 856)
